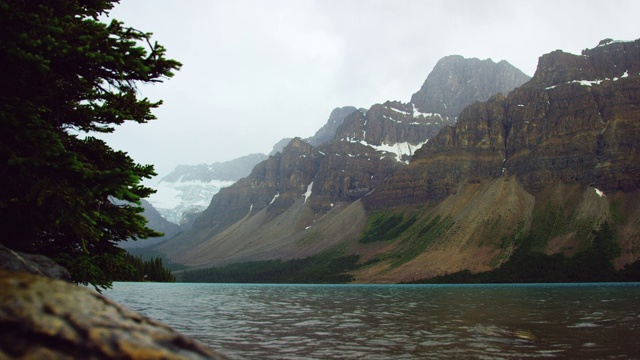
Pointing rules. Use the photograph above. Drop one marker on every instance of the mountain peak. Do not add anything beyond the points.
(326, 133)
(456, 82)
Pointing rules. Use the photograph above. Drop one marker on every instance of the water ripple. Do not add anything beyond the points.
(397, 322)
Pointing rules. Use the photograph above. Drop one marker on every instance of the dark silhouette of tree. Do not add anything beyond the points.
(65, 74)
(135, 269)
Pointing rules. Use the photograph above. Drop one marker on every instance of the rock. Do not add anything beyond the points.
(44, 318)
(31, 263)
(348, 171)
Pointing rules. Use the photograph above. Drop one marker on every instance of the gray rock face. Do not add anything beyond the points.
(32, 264)
(456, 82)
(44, 318)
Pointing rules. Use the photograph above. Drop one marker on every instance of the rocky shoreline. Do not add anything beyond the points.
(42, 317)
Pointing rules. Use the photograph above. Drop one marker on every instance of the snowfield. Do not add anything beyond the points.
(172, 199)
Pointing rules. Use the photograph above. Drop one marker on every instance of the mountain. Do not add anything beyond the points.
(543, 168)
(188, 189)
(305, 199)
(574, 122)
(328, 131)
(457, 82)
(325, 134)
(156, 222)
(279, 146)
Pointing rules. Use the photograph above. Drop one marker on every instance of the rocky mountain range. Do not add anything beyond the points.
(185, 192)
(271, 212)
(546, 166)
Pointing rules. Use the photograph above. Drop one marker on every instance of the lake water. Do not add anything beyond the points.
(576, 321)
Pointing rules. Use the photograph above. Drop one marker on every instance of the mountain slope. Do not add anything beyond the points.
(156, 222)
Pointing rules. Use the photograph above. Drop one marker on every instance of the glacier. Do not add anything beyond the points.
(175, 198)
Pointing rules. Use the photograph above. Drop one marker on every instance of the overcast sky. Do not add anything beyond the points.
(255, 72)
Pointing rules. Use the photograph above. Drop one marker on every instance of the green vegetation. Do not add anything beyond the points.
(67, 195)
(616, 212)
(413, 246)
(414, 234)
(381, 227)
(529, 266)
(328, 267)
(137, 269)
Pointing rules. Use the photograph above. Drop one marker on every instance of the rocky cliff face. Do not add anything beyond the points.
(392, 124)
(303, 184)
(575, 121)
(456, 82)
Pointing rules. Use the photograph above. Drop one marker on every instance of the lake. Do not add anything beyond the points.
(255, 321)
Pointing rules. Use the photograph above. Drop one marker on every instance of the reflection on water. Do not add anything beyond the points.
(398, 321)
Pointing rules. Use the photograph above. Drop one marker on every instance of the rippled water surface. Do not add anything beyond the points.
(578, 321)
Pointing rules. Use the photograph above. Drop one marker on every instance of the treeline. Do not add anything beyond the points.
(136, 269)
(320, 269)
(526, 265)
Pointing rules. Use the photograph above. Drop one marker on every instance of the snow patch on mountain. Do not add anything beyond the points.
(308, 192)
(593, 82)
(275, 197)
(415, 113)
(400, 150)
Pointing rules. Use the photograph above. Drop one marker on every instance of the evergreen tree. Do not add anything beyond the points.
(135, 269)
(64, 73)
